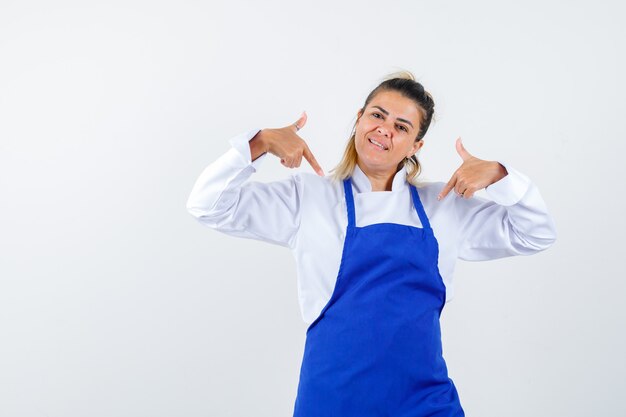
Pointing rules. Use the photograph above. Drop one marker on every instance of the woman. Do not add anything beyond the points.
(375, 256)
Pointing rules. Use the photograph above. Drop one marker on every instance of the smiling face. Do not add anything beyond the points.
(385, 132)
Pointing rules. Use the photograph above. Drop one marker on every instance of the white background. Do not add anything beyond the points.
(114, 301)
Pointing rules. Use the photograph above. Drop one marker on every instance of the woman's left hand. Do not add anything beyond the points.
(474, 174)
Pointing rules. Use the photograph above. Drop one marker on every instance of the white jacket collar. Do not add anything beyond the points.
(362, 184)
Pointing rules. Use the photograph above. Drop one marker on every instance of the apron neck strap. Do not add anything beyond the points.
(347, 186)
(420, 208)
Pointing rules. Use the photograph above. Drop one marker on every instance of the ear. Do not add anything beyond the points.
(416, 147)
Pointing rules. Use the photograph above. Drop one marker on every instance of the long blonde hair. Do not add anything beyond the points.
(404, 83)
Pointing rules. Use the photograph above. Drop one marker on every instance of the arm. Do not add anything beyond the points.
(516, 222)
(222, 199)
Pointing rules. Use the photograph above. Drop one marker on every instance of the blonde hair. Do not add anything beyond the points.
(403, 82)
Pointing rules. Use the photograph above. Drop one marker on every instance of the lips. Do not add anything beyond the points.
(378, 144)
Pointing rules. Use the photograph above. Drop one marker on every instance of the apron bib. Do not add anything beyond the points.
(375, 349)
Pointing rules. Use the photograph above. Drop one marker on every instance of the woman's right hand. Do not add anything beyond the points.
(286, 145)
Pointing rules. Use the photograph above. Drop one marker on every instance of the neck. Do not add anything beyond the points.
(380, 180)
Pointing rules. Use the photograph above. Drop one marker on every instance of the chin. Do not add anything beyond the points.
(375, 164)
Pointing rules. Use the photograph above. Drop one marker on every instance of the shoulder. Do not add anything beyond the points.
(317, 181)
(428, 192)
(318, 187)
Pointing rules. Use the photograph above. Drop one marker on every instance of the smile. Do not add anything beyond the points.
(378, 144)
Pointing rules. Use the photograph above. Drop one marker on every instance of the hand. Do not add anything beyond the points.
(288, 146)
(473, 174)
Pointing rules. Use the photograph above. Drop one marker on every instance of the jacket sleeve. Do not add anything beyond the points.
(224, 200)
(515, 222)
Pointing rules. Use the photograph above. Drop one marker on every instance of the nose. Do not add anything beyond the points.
(383, 127)
(382, 130)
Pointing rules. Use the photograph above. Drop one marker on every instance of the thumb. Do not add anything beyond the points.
(301, 121)
(461, 149)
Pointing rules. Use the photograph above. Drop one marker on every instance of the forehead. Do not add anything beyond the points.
(397, 105)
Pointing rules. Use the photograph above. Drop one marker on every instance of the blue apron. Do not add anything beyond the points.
(375, 348)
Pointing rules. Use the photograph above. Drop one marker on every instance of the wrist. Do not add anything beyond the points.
(258, 145)
(501, 171)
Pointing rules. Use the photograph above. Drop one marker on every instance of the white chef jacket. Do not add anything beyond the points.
(307, 213)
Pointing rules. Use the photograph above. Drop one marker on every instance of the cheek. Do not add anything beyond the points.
(365, 125)
(359, 135)
(407, 148)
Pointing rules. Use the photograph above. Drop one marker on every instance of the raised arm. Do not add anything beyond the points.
(223, 200)
(515, 221)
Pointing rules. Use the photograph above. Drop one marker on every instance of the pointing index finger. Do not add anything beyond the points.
(449, 186)
(308, 155)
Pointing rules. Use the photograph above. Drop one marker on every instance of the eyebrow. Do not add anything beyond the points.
(387, 114)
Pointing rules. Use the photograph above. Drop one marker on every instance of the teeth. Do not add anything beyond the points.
(380, 145)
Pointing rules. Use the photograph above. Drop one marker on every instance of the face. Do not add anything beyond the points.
(386, 130)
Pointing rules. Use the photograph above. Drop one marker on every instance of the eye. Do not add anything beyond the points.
(405, 129)
(376, 115)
